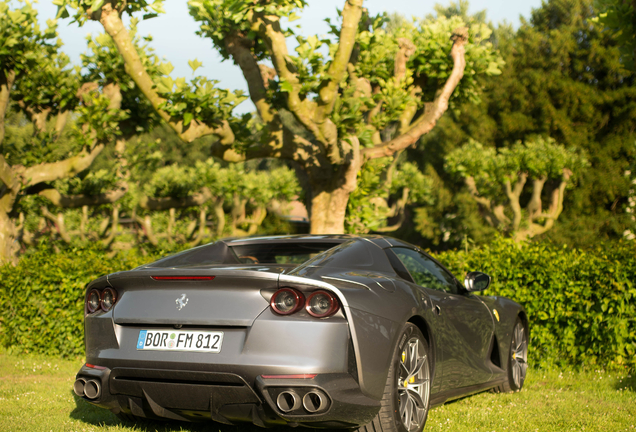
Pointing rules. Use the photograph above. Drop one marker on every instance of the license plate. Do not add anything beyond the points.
(177, 340)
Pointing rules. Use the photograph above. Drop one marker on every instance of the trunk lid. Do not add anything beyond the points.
(232, 298)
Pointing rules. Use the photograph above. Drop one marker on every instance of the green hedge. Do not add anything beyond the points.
(581, 304)
(42, 299)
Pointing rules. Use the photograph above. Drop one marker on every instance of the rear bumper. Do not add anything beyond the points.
(227, 397)
(228, 386)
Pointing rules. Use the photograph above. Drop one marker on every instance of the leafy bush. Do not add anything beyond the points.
(581, 304)
(42, 299)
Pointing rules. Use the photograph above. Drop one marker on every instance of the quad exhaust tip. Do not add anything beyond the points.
(91, 389)
(315, 401)
(78, 387)
(288, 401)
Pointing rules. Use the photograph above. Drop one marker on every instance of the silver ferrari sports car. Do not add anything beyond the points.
(321, 331)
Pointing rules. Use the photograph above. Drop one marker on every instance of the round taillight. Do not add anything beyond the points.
(322, 304)
(92, 301)
(286, 301)
(109, 297)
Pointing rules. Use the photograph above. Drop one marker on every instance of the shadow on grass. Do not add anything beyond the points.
(87, 413)
(627, 383)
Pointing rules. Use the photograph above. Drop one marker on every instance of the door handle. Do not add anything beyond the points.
(437, 310)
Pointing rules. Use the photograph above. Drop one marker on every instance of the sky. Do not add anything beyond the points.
(174, 35)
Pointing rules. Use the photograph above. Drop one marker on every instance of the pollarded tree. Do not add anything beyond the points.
(88, 191)
(28, 63)
(375, 94)
(104, 72)
(193, 109)
(238, 192)
(564, 79)
(497, 180)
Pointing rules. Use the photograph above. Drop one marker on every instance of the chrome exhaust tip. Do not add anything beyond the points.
(288, 401)
(92, 389)
(315, 401)
(78, 387)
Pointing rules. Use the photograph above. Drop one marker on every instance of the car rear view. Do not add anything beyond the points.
(211, 338)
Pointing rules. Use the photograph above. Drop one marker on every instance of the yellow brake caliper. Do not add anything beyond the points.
(406, 383)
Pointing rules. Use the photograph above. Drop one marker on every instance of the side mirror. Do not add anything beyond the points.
(476, 281)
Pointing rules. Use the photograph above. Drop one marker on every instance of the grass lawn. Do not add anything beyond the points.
(36, 395)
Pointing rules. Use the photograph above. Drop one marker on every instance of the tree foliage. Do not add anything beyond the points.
(326, 113)
(564, 79)
(619, 17)
(496, 180)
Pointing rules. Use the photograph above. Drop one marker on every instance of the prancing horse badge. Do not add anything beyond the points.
(181, 301)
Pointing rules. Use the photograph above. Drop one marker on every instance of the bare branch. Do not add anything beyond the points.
(513, 195)
(37, 115)
(112, 23)
(256, 219)
(197, 199)
(405, 51)
(146, 226)
(351, 14)
(60, 122)
(472, 188)
(398, 209)
(535, 205)
(556, 207)
(493, 215)
(7, 78)
(114, 225)
(220, 215)
(8, 176)
(46, 172)
(238, 47)
(269, 27)
(202, 223)
(434, 110)
(75, 201)
(58, 221)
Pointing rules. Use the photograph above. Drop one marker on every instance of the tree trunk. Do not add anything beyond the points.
(6, 82)
(256, 220)
(171, 222)
(328, 209)
(8, 244)
(330, 195)
(220, 216)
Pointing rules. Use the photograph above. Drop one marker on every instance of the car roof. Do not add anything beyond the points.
(382, 241)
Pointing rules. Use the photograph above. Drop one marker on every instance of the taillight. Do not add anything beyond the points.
(286, 301)
(109, 297)
(92, 301)
(322, 304)
(104, 299)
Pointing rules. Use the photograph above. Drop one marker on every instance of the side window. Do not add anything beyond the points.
(426, 272)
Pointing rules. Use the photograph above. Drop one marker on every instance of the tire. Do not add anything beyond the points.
(517, 360)
(404, 405)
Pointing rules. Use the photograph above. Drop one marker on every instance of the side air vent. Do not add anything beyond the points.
(495, 358)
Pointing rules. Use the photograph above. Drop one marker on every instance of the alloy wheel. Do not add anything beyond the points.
(519, 353)
(413, 385)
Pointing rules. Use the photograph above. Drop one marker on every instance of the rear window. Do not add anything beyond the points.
(201, 256)
(263, 253)
(279, 253)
